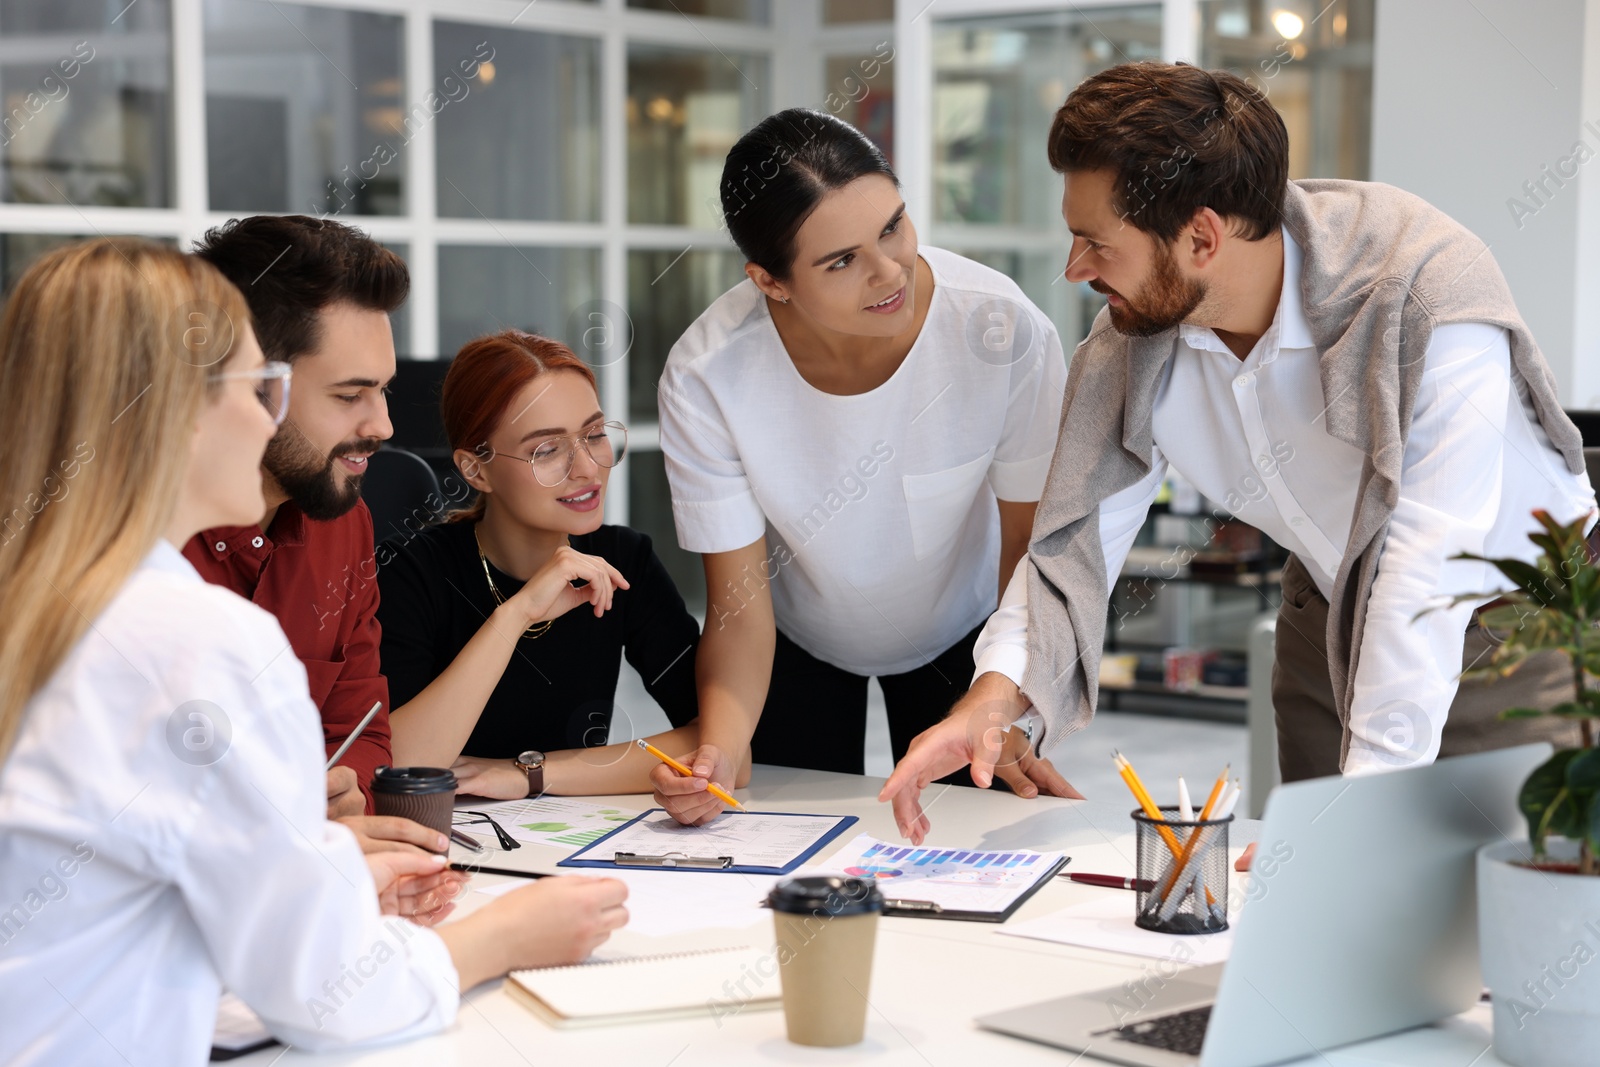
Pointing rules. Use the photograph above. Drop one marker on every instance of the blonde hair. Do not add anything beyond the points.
(105, 350)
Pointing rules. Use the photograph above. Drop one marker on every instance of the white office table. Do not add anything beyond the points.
(930, 977)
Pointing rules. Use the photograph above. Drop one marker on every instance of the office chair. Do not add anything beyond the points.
(402, 493)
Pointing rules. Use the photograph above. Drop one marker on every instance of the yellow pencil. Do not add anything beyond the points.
(1216, 793)
(711, 787)
(1188, 849)
(1130, 777)
(1180, 853)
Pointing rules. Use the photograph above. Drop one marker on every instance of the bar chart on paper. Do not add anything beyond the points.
(560, 821)
(964, 880)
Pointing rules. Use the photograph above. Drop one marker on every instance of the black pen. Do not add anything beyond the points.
(473, 868)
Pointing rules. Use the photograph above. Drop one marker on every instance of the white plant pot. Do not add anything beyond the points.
(1539, 937)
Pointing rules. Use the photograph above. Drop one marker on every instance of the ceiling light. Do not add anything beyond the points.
(1288, 24)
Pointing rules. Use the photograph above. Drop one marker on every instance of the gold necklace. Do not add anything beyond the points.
(534, 632)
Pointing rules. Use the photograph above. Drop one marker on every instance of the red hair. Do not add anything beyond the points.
(485, 377)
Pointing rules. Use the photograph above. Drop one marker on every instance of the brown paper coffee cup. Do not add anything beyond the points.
(826, 928)
(426, 795)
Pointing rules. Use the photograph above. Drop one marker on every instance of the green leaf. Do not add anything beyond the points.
(1583, 771)
(1572, 709)
(1528, 578)
(1586, 589)
(1522, 713)
(1544, 796)
(1594, 823)
(1530, 629)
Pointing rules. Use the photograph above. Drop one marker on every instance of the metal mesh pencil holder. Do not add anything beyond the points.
(1188, 892)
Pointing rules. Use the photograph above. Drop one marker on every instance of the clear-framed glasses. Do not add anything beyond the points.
(272, 386)
(552, 458)
(507, 842)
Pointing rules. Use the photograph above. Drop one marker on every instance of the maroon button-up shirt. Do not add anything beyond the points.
(321, 581)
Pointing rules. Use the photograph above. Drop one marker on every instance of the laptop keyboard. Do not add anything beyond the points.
(1182, 1031)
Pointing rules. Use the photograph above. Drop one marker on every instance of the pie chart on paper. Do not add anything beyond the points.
(874, 872)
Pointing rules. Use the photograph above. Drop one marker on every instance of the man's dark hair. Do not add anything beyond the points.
(290, 267)
(777, 174)
(1178, 139)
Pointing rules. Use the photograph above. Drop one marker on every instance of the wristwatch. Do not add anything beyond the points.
(531, 763)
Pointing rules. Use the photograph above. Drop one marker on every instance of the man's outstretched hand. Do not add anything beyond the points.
(974, 733)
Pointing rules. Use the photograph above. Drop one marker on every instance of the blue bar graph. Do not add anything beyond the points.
(1029, 861)
(983, 858)
(873, 851)
(960, 857)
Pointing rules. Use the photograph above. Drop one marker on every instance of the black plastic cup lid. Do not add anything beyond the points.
(830, 894)
(413, 780)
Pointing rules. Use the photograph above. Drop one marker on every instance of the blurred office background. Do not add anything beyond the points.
(553, 165)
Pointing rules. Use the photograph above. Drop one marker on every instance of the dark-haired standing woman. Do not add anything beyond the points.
(856, 438)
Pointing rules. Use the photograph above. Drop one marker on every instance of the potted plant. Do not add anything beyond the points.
(1539, 900)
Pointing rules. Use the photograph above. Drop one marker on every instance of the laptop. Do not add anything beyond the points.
(1363, 923)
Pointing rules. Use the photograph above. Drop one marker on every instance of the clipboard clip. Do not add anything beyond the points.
(919, 906)
(672, 859)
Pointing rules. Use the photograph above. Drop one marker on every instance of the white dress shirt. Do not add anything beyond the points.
(882, 534)
(163, 833)
(1250, 435)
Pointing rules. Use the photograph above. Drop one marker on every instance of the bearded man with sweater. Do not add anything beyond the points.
(1339, 364)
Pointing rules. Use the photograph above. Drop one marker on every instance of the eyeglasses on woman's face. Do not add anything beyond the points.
(552, 458)
(272, 386)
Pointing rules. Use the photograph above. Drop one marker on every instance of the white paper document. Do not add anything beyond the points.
(752, 839)
(962, 880)
(560, 822)
(1107, 923)
(663, 903)
(238, 1027)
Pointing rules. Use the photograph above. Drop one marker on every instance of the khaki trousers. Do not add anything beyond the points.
(1310, 734)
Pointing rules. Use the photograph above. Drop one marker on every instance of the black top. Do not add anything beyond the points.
(559, 689)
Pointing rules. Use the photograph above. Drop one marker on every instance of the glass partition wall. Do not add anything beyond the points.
(553, 166)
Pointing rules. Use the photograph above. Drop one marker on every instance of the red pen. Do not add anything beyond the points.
(1112, 881)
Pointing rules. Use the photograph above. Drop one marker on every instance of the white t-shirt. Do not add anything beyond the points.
(883, 537)
(163, 832)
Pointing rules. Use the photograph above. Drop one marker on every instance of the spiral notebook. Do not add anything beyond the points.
(632, 989)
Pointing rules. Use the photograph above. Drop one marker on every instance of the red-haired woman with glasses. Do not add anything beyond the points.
(492, 670)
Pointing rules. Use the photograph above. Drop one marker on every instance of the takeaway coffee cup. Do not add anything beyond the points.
(422, 794)
(826, 926)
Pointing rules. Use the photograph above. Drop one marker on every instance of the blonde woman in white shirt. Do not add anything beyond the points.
(856, 437)
(163, 825)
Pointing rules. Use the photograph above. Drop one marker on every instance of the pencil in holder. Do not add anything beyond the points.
(1185, 864)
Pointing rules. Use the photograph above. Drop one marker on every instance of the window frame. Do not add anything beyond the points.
(795, 43)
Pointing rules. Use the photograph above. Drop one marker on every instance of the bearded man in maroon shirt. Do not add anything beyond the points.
(321, 294)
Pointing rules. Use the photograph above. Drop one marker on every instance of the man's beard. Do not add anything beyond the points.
(1166, 299)
(308, 476)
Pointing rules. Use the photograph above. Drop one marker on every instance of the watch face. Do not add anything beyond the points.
(531, 758)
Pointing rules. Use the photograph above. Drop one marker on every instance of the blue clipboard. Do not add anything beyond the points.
(588, 856)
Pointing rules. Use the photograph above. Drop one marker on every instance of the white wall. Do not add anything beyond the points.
(1473, 100)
